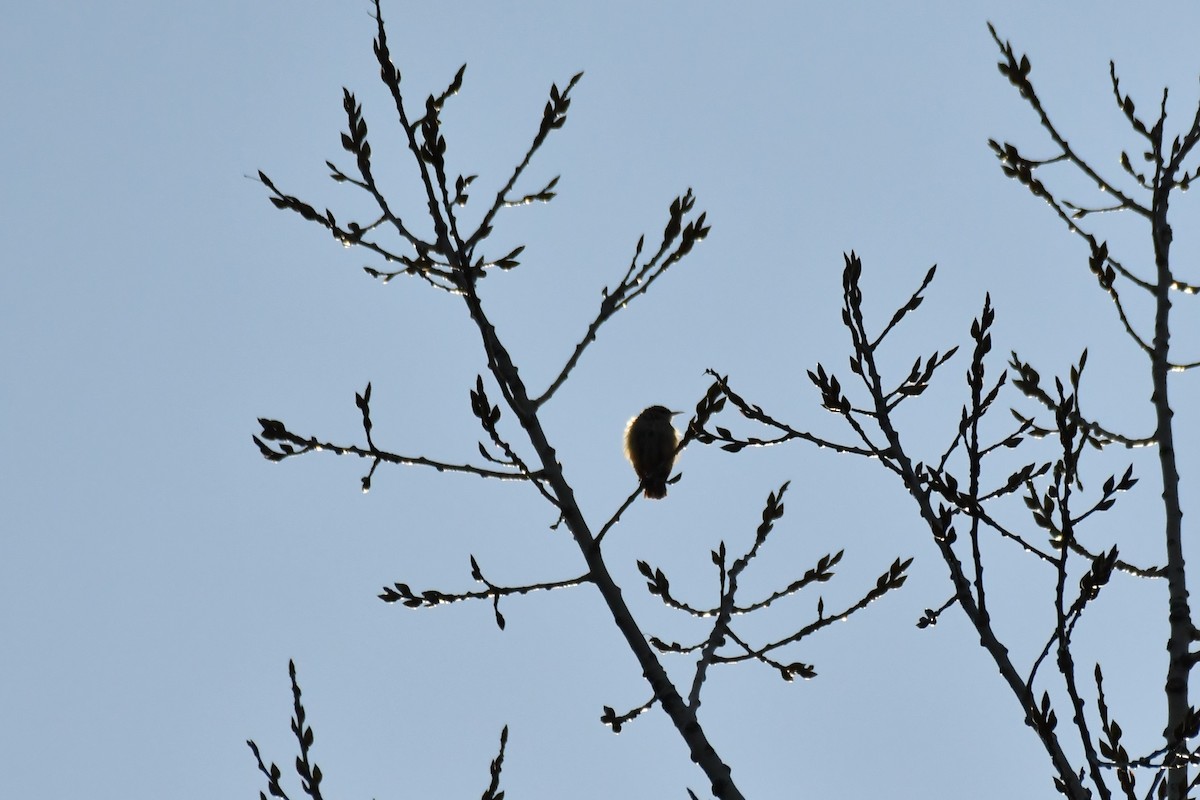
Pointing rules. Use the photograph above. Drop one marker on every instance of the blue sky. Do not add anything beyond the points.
(156, 574)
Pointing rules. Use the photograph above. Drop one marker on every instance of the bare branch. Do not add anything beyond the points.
(678, 240)
(1017, 71)
(617, 721)
(430, 598)
(296, 445)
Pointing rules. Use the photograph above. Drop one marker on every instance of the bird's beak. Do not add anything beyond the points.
(673, 413)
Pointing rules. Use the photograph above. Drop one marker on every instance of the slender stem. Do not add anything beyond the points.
(1179, 613)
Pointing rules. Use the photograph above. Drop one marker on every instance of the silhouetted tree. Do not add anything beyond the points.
(956, 487)
(448, 253)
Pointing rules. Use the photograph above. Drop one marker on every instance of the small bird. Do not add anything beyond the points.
(650, 442)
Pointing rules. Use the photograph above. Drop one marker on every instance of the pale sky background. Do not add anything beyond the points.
(156, 574)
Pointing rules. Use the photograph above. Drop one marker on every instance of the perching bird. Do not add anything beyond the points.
(650, 442)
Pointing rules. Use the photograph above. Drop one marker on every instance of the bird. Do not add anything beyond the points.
(650, 442)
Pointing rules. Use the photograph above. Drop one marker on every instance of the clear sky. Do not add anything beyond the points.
(156, 574)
